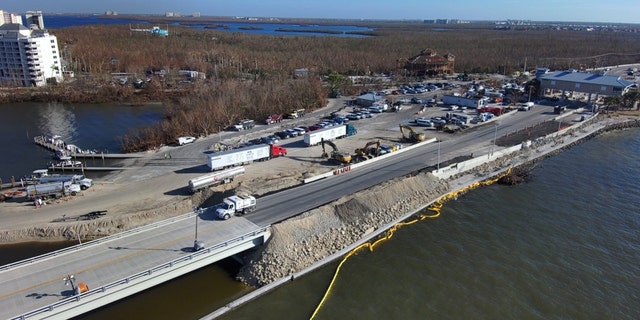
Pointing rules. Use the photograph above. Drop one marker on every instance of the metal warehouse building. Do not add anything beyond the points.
(587, 83)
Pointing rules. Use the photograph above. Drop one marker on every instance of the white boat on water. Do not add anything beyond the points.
(67, 164)
(61, 155)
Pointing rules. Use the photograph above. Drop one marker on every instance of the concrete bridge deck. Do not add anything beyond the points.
(120, 265)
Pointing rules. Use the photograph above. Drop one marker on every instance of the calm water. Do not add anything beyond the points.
(89, 126)
(563, 246)
(63, 21)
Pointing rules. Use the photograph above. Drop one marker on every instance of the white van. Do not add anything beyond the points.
(424, 122)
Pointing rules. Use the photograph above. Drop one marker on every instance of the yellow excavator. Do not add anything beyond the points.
(413, 135)
(336, 155)
(366, 152)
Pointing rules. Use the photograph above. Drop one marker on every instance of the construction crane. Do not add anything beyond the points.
(413, 135)
(336, 155)
(364, 152)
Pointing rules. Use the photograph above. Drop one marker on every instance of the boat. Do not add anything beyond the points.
(66, 164)
(61, 155)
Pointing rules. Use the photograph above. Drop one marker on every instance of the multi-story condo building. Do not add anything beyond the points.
(8, 17)
(28, 57)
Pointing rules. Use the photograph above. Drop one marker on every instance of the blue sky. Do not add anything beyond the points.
(624, 11)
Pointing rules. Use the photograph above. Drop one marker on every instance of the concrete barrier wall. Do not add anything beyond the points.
(460, 167)
(456, 168)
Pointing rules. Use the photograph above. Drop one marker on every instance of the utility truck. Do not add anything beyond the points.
(312, 138)
(244, 155)
(213, 179)
(84, 182)
(235, 205)
(52, 190)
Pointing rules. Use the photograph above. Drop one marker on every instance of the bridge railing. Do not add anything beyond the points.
(146, 273)
(97, 241)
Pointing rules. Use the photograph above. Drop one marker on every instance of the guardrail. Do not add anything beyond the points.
(96, 241)
(138, 275)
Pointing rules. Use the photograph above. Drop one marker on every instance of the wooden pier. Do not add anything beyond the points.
(81, 169)
(53, 144)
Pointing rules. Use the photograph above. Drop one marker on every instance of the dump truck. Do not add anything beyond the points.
(213, 179)
(274, 118)
(244, 124)
(235, 205)
(84, 182)
(312, 138)
(296, 114)
(244, 155)
(52, 190)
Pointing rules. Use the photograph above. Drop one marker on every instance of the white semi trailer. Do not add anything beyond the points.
(462, 101)
(312, 138)
(212, 179)
(245, 155)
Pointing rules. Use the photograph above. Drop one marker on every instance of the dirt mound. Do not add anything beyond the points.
(298, 243)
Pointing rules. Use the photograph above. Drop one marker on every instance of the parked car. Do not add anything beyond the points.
(270, 139)
(283, 134)
(301, 130)
(340, 120)
(185, 140)
(376, 109)
(366, 114)
(292, 132)
(353, 116)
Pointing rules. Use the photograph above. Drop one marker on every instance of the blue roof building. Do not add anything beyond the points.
(589, 83)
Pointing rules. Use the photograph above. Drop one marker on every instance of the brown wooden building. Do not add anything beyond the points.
(429, 63)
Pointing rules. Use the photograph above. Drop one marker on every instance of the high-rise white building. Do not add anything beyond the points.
(8, 17)
(28, 57)
(34, 20)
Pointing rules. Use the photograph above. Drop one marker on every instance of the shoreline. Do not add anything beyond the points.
(48, 233)
(464, 182)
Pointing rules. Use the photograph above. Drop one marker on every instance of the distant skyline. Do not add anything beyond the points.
(614, 11)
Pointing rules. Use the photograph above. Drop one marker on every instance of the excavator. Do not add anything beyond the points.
(365, 152)
(413, 135)
(336, 155)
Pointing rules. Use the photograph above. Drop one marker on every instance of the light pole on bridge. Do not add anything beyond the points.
(197, 245)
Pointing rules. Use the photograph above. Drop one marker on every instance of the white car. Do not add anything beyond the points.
(185, 140)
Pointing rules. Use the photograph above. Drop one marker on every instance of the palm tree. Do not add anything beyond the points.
(612, 101)
(630, 99)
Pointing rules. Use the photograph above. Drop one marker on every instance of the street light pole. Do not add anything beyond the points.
(495, 136)
(438, 170)
(197, 245)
